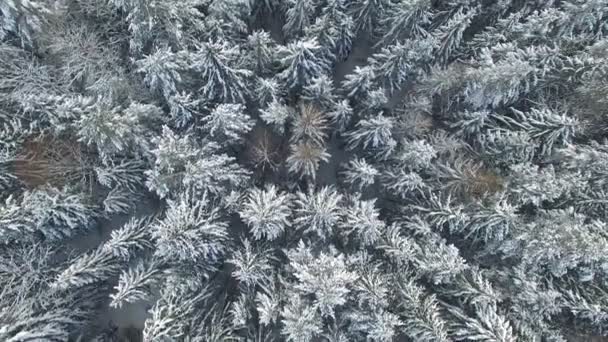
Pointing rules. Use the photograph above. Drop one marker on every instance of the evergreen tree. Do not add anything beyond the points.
(416, 155)
(320, 91)
(175, 24)
(252, 264)
(325, 277)
(261, 54)
(450, 34)
(229, 18)
(405, 19)
(221, 77)
(173, 314)
(334, 30)
(181, 163)
(133, 237)
(301, 322)
(362, 219)
(268, 306)
(543, 246)
(489, 87)
(267, 90)
(375, 132)
(359, 83)
(88, 269)
(299, 15)
(465, 197)
(134, 284)
(22, 19)
(531, 184)
(422, 313)
(184, 107)
(50, 213)
(367, 14)
(277, 114)
(266, 212)
(191, 231)
(302, 61)
(360, 174)
(227, 122)
(161, 71)
(547, 125)
(394, 64)
(99, 265)
(113, 132)
(341, 115)
(318, 212)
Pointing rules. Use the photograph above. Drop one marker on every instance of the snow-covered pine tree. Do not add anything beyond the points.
(301, 61)
(277, 114)
(318, 212)
(192, 231)
(227, 122)
(116, 131)
(49, 213)
(267, 212)
(181, 163)
(299, 15)
(372, 133)
(473, 130)
(405, 19)
(261, 52)
(396, 63)
(22, 19)
(360, 174)
(325, 277)
(252, 264)
(367, 14)
(334, 30)
(361, 219)
(162, 71)
(222, 78)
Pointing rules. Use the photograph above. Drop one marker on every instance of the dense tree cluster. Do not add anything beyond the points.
(304, 170)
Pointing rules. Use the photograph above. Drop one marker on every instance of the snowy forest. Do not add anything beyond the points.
(303, 170)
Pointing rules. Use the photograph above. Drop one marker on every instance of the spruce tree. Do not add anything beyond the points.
(303, 170)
